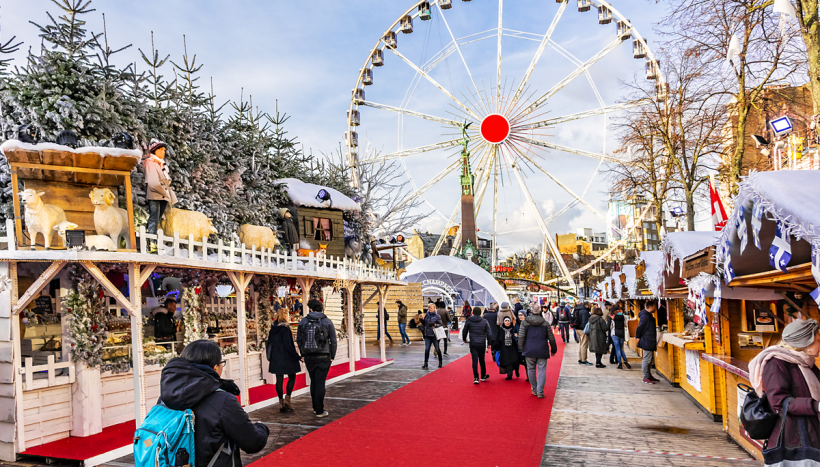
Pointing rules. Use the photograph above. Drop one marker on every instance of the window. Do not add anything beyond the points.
(321, 229)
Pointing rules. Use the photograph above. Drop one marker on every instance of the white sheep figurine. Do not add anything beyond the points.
(92, 242)
(186, 223)
(109, 219)
(40, 217)
(258, 236)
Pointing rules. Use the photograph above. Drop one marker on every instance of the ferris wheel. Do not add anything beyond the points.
(509, 108)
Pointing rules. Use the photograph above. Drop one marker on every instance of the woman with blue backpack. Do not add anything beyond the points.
(283, 358)
(192, 389)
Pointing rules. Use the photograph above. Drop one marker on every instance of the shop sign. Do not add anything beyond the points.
(702, 261)
(440, 284)
(693, 369)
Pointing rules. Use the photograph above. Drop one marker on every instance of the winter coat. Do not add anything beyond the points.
(479, 331)
(499, 320)
(431, 321)
(157, 181)
(647, 332)
(518, 307)
(289, 232)
(466, 311)
(509, 354)
(564, 315)
(535, 338)
(597, 334)
(402, 314)
(780, 381)
(282, 356)
(581, 317)
(218, 417)
(330, 331)
(619, 326)
(491, 318)
(444, 314)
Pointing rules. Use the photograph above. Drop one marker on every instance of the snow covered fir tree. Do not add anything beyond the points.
(224, 155)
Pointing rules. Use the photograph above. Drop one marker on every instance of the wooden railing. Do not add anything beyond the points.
(50, 367)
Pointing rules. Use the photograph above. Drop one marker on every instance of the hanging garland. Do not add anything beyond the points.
(267, 291)
(358, 316)
(192, 317)
(85, 307)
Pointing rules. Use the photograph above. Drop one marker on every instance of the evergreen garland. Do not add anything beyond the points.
(88, 330)
(267, 290)
(192, 316)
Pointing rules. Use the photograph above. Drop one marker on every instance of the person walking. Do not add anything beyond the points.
(477, 329)
(431, 321)
(619, 332)
(609, 314)
(517, 306)
(316, 337)
(564, 320)
(466, 310)
(537, 343)
(787, 371)
(282, 357)
(402, 314)
(507, 346)
(445, 320)
(492, 319)
(518, 322)
(597, 336)
(647, 335)
(385, 319)
(581, 320)
(221, 425)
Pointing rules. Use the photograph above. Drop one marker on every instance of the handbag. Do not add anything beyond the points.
(756, 415)
(441, 333)
(586, 328)
(802, 456)
(497, 358)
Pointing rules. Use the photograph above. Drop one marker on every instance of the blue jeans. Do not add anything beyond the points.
(379, 332)
(403, 332)
(564, 327)
(619, 348)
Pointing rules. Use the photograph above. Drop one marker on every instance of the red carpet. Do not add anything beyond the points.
(440, 419)
(113, 437)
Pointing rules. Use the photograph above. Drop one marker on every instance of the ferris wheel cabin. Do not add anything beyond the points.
(604, 15)
(584, 5)
(367, 77)
(406, 24)
(354, 117)
(424, 11)
(652, 69)
(390, 40)
(624, 30)
(638, 48)
(445, 4)
(377, 59)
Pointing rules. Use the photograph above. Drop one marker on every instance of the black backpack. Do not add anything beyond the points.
(315, 338)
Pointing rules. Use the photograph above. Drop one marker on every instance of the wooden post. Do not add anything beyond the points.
(351, 328)
(129, 204)
(382, 325)
(137, 351)
(240, 281)
(18, 221)
(17, 379)
(305, 283)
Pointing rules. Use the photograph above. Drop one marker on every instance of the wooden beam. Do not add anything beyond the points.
(97, 274)
(15, 198)
(61, 168)
(137, 350)
(129, 205)
(38, 285)
(773, 278)
(370, 298)
(240, 280)
(382, 325)
(146, 273)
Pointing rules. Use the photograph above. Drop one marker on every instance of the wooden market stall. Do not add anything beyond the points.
(764, 256)
(225, 291)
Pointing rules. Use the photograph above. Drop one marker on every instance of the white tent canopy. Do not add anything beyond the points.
(468, 280)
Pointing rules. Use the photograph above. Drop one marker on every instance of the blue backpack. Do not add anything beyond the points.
(165, 439)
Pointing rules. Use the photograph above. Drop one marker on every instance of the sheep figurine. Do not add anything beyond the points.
(40, 217)
(186, 223)
(109, 219)
(258, 236)
(92, 242)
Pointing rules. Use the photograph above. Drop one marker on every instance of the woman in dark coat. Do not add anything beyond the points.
(597, 336)
(786, 371)
(518, 321)
(506, 342)
(283, 357)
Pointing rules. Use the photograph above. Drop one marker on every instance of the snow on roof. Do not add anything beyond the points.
(679, 245)
(304, 194)
(653, 260)
(102, 151)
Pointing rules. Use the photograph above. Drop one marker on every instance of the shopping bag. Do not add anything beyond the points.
(441, 333)
(802, 456)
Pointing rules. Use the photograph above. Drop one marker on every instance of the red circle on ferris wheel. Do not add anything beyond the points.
(495, 128)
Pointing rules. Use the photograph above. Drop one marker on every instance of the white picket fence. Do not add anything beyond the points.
(231, 253)
(51, 369)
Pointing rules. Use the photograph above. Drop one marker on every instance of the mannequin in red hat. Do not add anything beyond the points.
(158, 190)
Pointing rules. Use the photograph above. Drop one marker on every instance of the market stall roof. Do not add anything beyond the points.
(787, 199)
(305, 194)
(677, 246)
(653, 260)
(472, 282)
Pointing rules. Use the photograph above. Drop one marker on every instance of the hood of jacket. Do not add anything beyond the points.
(280, 328)
(535, 320)
(317, 315)
(184, 384)
(644, 313)
(475, 319)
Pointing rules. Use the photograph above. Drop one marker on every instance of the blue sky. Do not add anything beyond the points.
(307, 55)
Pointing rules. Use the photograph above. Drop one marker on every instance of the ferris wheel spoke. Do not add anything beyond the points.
(434, 83)
(581, 115)
(411, 113)
(498, 60)
(410, 152)
(578, 71)
(566, 149)
(540, 51)
(458, 49)
(411, 197)
(544, 229)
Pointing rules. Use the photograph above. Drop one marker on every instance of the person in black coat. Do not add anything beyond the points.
(319, 361)
(192, 381)
(506, 342)
(478, 330)
(283, 358)
(647, 335)
(431, 321)
(492, 318)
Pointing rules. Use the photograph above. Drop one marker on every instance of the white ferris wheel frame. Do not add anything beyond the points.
(488, 153)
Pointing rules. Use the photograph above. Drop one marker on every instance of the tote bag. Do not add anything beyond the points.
(441, 333)
(802, 456)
